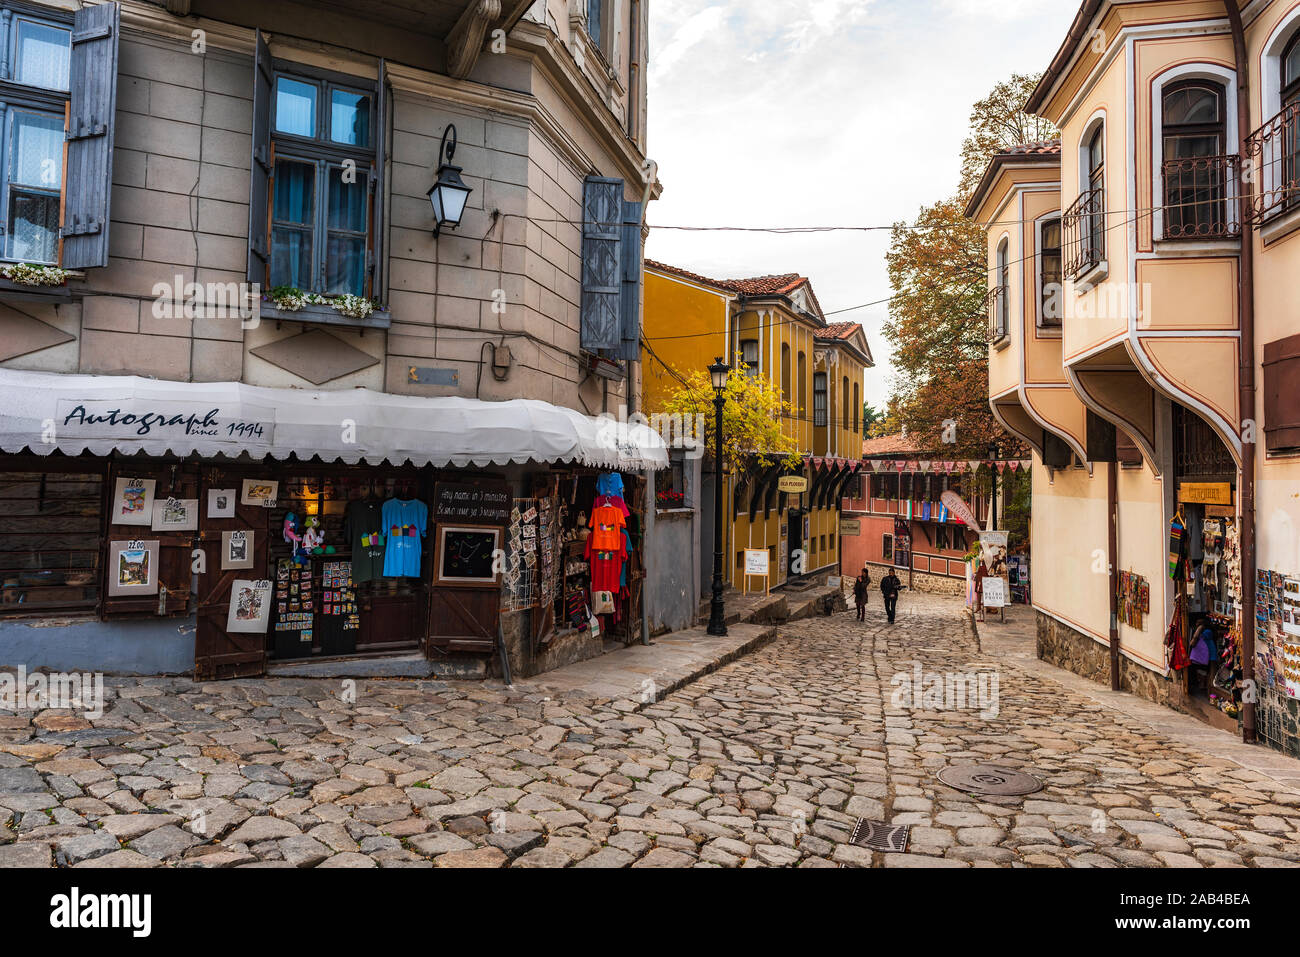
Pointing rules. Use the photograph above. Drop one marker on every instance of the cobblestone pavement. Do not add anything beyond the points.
(766, 762)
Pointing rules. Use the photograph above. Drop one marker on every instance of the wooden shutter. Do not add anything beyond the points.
(93, 88)
(602, 286)
(630, 347)
(1281, 397)
(378, 270)
(259, 187)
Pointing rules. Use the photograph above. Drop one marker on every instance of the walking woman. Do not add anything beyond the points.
(861, 586)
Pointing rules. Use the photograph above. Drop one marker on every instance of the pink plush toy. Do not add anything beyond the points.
(291, 535)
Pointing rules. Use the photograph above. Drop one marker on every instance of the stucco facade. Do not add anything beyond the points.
(1150, 330)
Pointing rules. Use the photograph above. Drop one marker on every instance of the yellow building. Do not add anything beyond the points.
(1145, 341)
(775, 326)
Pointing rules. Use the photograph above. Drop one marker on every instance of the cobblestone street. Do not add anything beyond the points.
(766, 762)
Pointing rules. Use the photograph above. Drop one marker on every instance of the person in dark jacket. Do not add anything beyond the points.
(861, 586)
(890, 586)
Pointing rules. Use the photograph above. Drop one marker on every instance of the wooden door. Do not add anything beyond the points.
(219, 655)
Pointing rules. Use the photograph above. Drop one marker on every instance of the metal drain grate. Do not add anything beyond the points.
(990, 779)
(878, 836)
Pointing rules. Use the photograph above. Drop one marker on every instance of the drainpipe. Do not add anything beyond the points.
(1246, 309)
(1112, 546)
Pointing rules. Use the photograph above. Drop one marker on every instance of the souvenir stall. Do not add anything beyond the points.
(575, 556)
(1202, 644)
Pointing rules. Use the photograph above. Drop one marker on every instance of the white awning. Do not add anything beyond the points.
(45, 412)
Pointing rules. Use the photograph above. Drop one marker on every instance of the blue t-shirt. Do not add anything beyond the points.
(405, 524)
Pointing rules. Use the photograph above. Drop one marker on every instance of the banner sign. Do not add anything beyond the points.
(132, 418)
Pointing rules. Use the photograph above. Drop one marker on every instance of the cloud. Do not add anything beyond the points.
(829, 112)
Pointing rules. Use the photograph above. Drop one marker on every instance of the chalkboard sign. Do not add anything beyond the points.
(466, 555)
(478, 504)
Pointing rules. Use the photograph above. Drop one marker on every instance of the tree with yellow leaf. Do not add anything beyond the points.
(751, 418)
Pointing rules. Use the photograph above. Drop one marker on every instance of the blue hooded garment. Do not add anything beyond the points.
(611, 483)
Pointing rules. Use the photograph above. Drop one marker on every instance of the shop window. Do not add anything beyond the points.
(50, 537)
(56, 176)
(819, 400)
(1281, 398)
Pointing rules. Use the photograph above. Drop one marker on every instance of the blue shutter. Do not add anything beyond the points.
(259, 189)
(630, 347)
(602, 263)
(378, 268)
(92, 78)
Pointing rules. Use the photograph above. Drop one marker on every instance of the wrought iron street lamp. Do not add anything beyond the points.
(449, 194)
(718, 373)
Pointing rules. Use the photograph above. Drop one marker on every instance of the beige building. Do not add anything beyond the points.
(1145, 341)
(241, 232)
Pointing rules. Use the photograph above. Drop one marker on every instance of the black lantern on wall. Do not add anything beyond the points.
(449, 195)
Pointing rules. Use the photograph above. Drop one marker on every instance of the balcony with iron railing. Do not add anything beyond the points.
(1200, 198)
(1275, 147)
(1084, 234)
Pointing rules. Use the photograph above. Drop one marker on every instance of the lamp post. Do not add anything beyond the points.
(718, 373)
(449, 195)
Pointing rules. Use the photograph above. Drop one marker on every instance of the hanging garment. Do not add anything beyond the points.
(627, 548)
(363, 530)
(1176, 638)
(1177, 543)
(607, 524)
(615, 501)
(406, 524)
(611, 483)
(606, 566)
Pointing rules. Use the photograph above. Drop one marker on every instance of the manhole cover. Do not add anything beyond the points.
(988, 779)
(879, 836)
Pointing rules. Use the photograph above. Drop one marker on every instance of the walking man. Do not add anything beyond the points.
(890, 586)
(861, 586)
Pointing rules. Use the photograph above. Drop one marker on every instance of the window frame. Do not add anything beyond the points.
(1050, 327)
(1002, 266)
(821, 416)
(325, 154)
(16, 96)
(1095, 184)
(1217, 129)
(753, 365)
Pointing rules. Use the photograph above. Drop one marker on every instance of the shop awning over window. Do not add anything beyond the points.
(45, 412)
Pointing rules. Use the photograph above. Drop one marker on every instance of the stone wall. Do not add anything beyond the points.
(1071, 650)
(921, 581)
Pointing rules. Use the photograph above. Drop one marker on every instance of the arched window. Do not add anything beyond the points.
(785, 374)
(1002, 292)
(1095, 231)
(1291, 72)
(857, 408)
(1194, 134)
(803, 386)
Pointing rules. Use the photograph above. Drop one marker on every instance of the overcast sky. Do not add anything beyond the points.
(822, 112)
